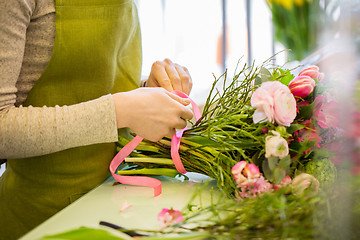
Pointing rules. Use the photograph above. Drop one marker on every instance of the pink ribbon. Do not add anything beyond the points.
(128, 148)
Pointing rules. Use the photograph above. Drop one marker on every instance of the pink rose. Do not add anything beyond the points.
(169, 217)
(313, 72)
(302, 86)
(274, 102)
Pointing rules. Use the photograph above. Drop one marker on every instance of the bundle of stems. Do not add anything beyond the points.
(224, 135)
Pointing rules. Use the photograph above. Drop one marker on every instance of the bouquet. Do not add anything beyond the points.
(264, 138)
(262, 131)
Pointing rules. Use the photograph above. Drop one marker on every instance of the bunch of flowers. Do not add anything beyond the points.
(261, 132)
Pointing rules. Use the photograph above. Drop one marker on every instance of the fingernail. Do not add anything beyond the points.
(186, 100)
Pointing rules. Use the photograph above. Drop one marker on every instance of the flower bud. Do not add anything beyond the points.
(313, 72)
(302, 182)
(302, 86)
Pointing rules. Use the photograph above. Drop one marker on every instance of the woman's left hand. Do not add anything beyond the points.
(170, 76)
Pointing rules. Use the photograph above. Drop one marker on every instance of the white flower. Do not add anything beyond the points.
(304, 181)
(276, 146)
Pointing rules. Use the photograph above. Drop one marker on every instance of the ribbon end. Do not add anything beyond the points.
(157, 190)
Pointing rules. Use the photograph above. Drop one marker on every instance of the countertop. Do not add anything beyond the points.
(104, 202)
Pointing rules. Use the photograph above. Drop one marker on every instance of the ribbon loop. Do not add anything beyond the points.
(128, 148)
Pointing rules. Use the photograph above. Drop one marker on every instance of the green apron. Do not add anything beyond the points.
(97, 51)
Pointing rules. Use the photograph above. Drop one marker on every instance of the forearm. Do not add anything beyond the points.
(30, 131)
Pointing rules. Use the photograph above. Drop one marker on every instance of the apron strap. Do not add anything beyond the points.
(128, 148)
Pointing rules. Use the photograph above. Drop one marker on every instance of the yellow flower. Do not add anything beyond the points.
(288, 3)
(285, 3)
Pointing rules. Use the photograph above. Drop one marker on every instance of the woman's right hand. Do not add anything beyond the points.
(151, 113)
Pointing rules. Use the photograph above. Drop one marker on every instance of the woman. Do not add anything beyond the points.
(69, 77)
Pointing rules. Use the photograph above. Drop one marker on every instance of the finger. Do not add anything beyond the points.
(174, 77)
(185, 78)
(190, 82)
(183, 101)
(181, 124)
(168, 61)
(161, 77)
(186, 114)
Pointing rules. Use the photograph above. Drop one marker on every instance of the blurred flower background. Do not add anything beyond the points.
(298, 24)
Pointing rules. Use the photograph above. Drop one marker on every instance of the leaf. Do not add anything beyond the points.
(199, 140)
(279, 175)
(258, 81)
(294, 127)
(83, 233)
(306, 111)
(265, 75)
(266, 169)
(273, 162)
(286, 76)
(284, 163)
(150, 171)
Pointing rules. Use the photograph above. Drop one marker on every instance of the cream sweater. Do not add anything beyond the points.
(27, 34)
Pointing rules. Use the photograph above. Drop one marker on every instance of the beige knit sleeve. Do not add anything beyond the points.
(32, 131)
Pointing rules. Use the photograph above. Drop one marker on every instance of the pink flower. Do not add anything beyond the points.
(283, 183)
(259, 186)
(326, 113)
(274, 102)
(249, 180)
(313, 72)
(245, 173)
(169, 217)
(302, 86)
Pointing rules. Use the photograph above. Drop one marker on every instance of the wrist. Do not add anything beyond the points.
(120, 110)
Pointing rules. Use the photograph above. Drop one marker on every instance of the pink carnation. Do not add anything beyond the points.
(258, 187)
(274, 103)
(249, 179)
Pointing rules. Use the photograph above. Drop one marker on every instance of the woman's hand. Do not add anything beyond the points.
(170, 76)
(151, 113)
